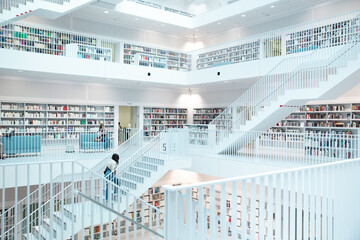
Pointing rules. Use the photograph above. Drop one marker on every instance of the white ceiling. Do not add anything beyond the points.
(282, 8)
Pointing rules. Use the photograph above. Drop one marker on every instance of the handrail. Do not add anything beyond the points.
(202, 184)
(127, 165)
(250, 104)
(98, 176)
(57, 179)
(118, 214)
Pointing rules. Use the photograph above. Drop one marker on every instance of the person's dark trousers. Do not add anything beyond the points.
(110, 176)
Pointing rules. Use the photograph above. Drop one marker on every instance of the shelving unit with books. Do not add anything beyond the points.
(150, 60)
(206, 198)
(159, 119)
(88, 52)
(321, 116)
(199, 129)
(235, 54)
(40, 40)
(329, 35)
(154, 196)
(173, 60)
(55, 118)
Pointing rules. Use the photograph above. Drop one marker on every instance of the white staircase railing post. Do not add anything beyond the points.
(171, 218)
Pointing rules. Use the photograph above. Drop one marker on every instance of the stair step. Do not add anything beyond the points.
(46, 225)
(127, 184)
(133, 177)
(152, 160)
(146, 166)
(41, 233)
(140, 171)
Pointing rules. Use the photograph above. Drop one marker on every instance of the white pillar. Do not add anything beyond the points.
(116, 126)
(171, 220)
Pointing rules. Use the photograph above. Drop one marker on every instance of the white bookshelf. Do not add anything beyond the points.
(40, 40)
(331, 35)
(88, 52)
(174, 60)
(40, 117)
(150, 60)
(235, 54)
(159, 119)
(321, 116)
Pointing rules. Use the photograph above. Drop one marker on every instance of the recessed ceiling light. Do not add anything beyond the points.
(219, 23)
(243, 15)
(272, 6)
(136, 19)
(106, 12)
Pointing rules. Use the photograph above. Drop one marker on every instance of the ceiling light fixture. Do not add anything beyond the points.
(106, 12)
(243, 15)
(219, 23)
(136, 19)
(272, 6)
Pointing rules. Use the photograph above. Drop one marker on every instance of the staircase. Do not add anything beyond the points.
(136, 174)
(52, 9)
(324, 74)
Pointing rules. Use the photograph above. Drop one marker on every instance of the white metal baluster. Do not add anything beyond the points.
(307, 183)
(3, 204)
(213, 221)
(234, 207)
(292, 209)
(202, 223)
(243, 209)
(223, 220)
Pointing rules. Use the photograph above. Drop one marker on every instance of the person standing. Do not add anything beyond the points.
(110, 173)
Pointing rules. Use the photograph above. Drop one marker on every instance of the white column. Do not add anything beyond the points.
(116, 126)
(171, 220)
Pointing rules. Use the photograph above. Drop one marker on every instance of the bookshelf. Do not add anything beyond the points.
(88, 52)
(206, 198)
(236, 54)
(198, 134)
(40, 117)
(321, 116)
(174, 60)
(203, 116)
(330, 35)
(40, 40)
(159, 119)
(154, 196)
(150, 60)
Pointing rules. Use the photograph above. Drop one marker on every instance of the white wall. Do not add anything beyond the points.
(91, 93)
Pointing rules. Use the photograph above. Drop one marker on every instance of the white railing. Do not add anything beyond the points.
(23, 176)
(62, 210)
(8, 4)
(51, 145)
(324, 33)
(165, 8)
(302, 72)
(57, 42)
(317, 202)
(289, 149)
(167, 145)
